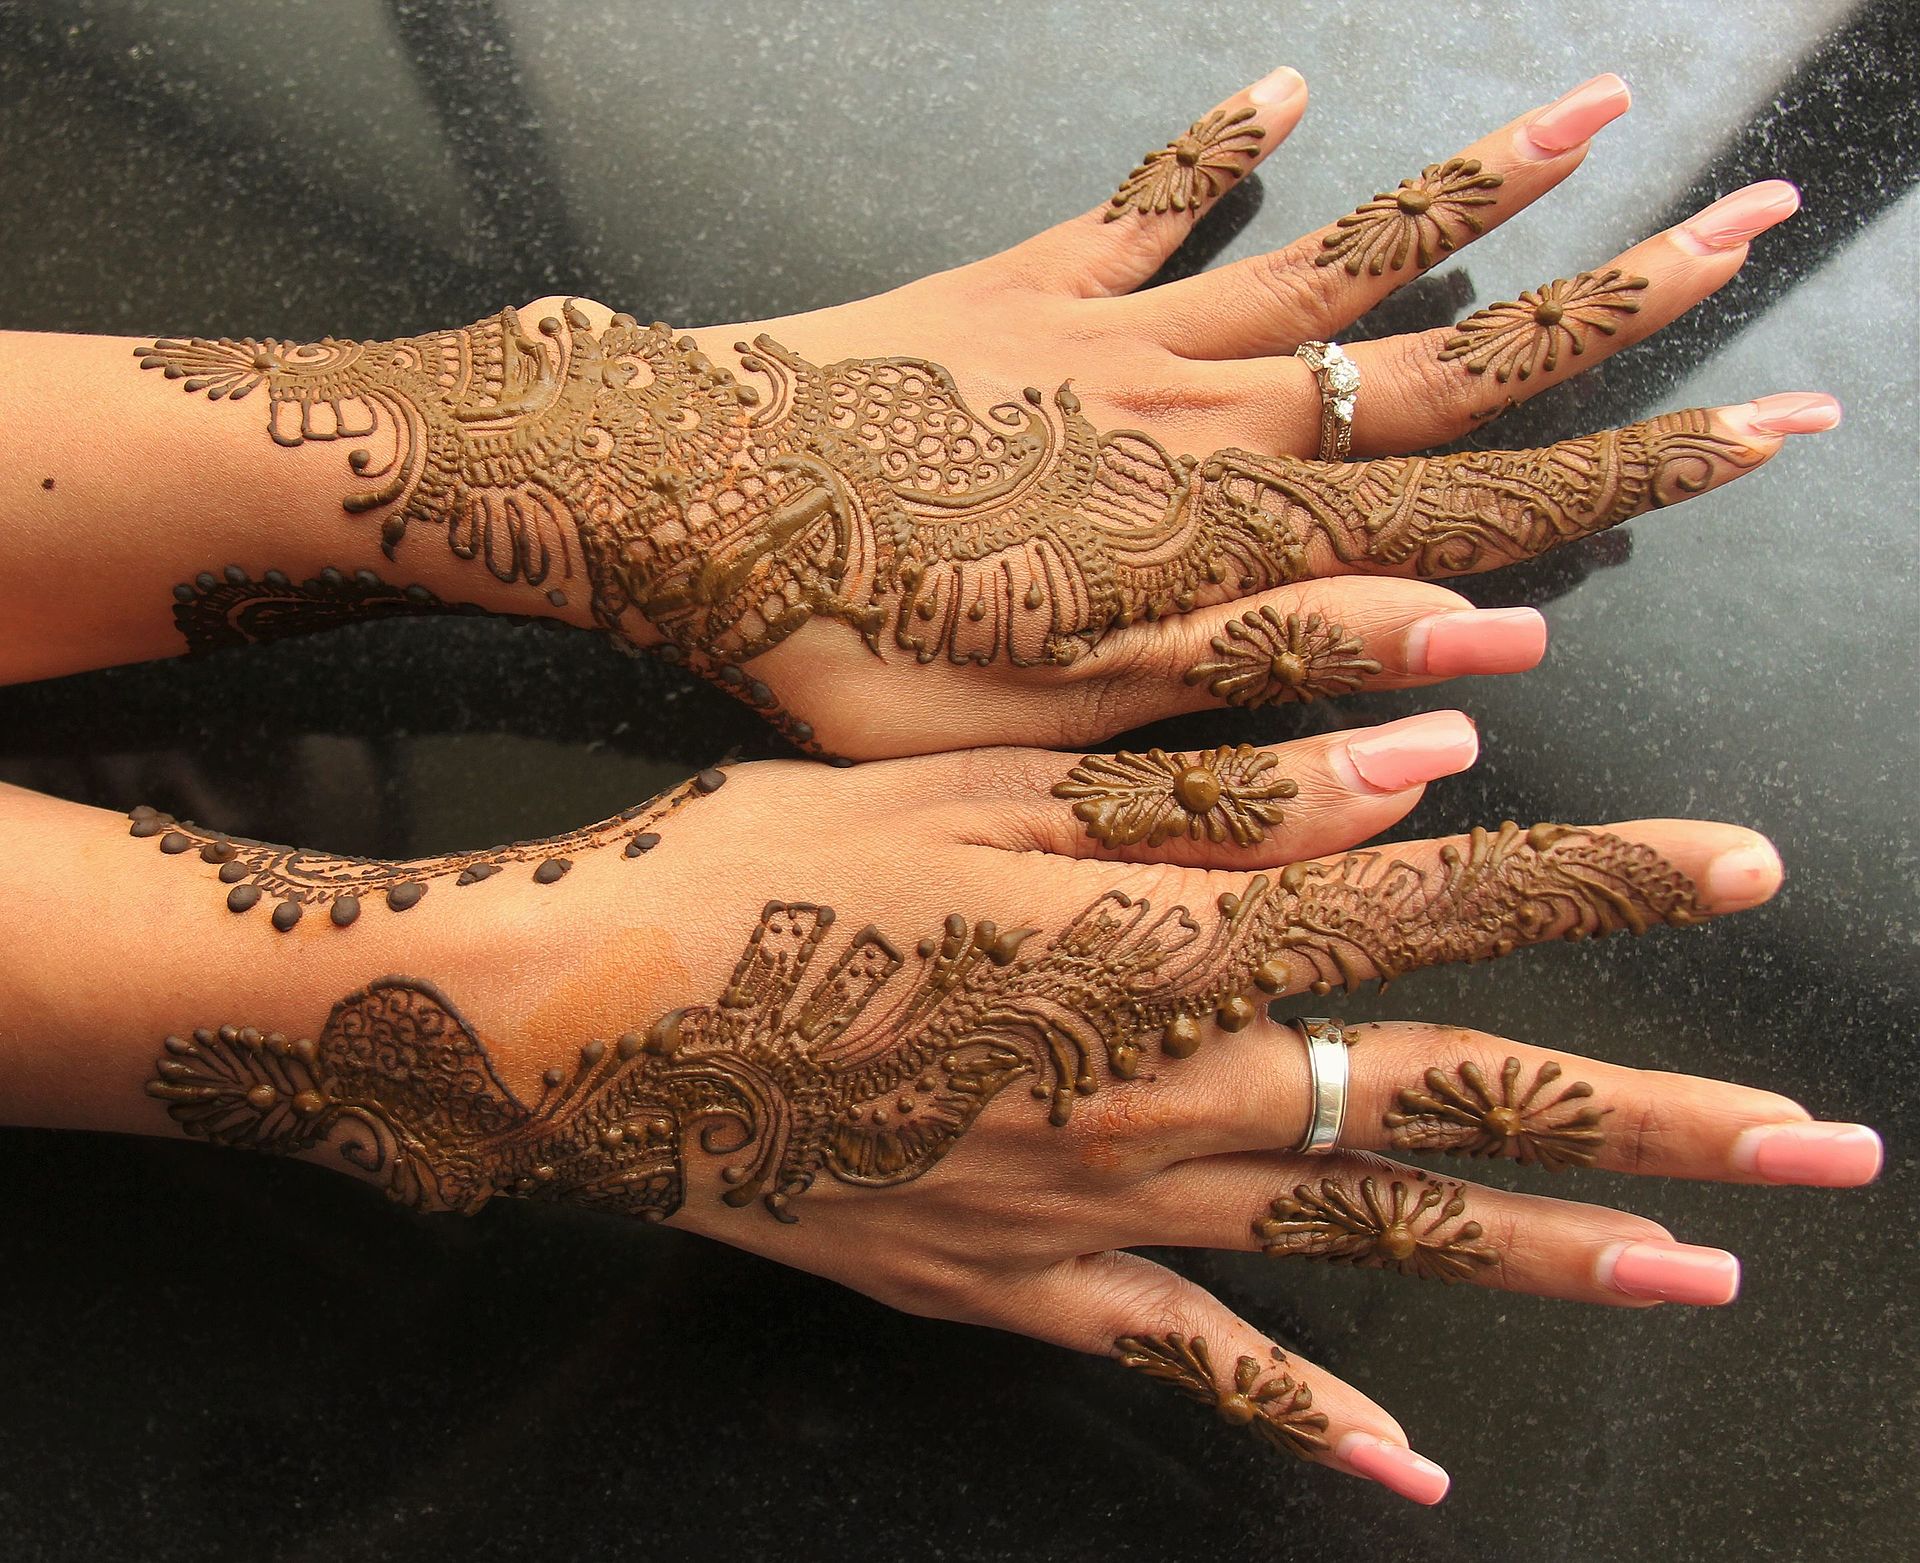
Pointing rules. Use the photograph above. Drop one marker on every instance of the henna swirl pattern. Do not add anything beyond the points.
(791, 1080)
(726, 514)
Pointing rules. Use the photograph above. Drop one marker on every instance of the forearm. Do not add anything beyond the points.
(143, 523)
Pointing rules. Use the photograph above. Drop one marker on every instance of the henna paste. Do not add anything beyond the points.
(1215, 795)
(1517, 340)
(1470, 1116)
(791, 1081)
(297, 879)
(725, 515)
(1277, 1409)
(1422, 219)
(1264, 659)
(1193, 169)
(233, 609)
(1409, 1227)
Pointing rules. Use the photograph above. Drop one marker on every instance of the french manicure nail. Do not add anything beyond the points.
(1281, 86)
(1671, 1272)
(1821, 1155)
(1564, 124)
(1791, 412)
(1742, 876)
(1477, 640)
(1734, 219)
(1413, 750)
(1395, 1467)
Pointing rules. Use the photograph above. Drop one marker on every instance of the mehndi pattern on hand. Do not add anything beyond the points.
(1417, 1228)
(1516, 340)
(1465, 1114)
(1266, 1400)
(789, 1080)
(1192, 169)
(1215, 795)
(726, 515)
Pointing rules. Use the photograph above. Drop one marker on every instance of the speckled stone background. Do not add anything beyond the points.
(208, 1358)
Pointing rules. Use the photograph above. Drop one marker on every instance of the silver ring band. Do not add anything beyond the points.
(1327, 1063)
(1338, 377)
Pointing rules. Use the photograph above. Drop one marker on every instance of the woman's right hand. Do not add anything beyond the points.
(963, 1031)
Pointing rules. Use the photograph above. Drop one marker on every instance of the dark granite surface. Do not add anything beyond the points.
(208, 1358)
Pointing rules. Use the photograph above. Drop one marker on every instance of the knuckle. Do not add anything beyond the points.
(1308, 297)
(1640, 1131)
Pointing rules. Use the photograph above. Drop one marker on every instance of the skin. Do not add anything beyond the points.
(119, 489)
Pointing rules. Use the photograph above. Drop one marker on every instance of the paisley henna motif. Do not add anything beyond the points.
(1276, 1408)
(1216, 795)
(868, 1064)
(727, 512)
(1192, 169)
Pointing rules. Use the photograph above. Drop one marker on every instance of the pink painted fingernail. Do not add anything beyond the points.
(1477, 640)
(1821, 1155)
(1281, 86)
(1671, 1272)
(1742, 876)
(1395, 1467)
(1789, 412)
(1734, 219)
(1563, 125)
(1415, 749)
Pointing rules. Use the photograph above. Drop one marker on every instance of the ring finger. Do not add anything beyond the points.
(1449, 1091)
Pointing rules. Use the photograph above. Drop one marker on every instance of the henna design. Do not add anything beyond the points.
(1278, 1409)
(1425, 217)
(294, 879)
(232, 609)
(1362, 1224)
(726, 516)
(1519, 339)
(1475, 1118)
(1191, 169)
(1213, 795)
(791, 1081)
(1265, 659)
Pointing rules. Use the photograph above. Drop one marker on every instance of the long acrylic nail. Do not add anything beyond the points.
(1742, 876)
(1788, 412)
(1477, 640)
(1281, 86)
(1413, 750)
(1819, 1155)
(1566, 123)
(1735, 219)
(1670, 1272)
(1395, 1467)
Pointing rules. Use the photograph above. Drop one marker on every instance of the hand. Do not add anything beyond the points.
(960, 1031)
(1018, 501)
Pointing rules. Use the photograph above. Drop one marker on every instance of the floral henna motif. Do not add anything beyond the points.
(1471, 1116)
(1404, 1226)
(726, 514)
(1277, 1408)
(1191, 170)
(1265, 659)
(1215, 795)
(293, 879)
(790, 1080)
(1424, 218)
(1517, 340)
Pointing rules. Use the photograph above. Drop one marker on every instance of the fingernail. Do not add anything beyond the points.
(1394, 1467)
(1416, 749)
(1789, 412)
(1281, 86)
(1734, 219)
(1563, 125)
(1671, 1272)
(1742, 876)
(1477, 640)
(1822, 1155)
